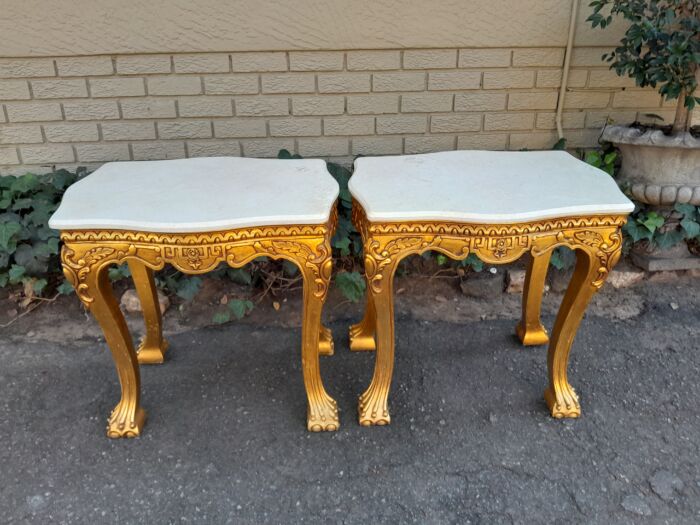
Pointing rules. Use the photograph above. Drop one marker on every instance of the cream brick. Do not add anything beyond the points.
(455, 122)
(239, 127)
(205, 107)
(128, 131)
(318, 105)
(636, 99)
(373, 60)
(324, 147)
(254, 62)
(604, 78)
(533, 100)
(453, 80)
(288, 83)
(485, 141)
(508, 121)
(402, 124)
(20, 134)
(266, 148)
(174, 85)
(148, 108)
(586, 100)
(143, 64)
(597, 119)
(84, 66)
(315, 60)
(213, 148)
(480, 101)
(511, 79)
(542, 56)
(589, 56)
(184, 129)
(650, 116)
(377, 146)
(91, 110)
(102, 152)
(399, 81)
(373, 104)
(348, 126)
(533, 140)
(430, 59)
(262, 106)
(161, 150)
(73, 88)
(117, 87)
(52, 154)
(8, 156)
(551, 78)
(14, 90)
(428, 144)
(26, 67)
(570, 120)
(202, 63)
(73, 132)
(426, 102)
(484, 57)
(343, 82)
(582, 138)
(295, 127)
(231, 84)
(33, 111)
(3, 118)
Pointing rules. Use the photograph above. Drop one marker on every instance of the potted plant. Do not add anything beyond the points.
(660, 49)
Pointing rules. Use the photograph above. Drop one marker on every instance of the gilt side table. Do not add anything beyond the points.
(499, 206)
(195, 214)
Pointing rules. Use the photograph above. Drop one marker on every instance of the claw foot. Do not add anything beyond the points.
(325, 342)
(563, 405)
(323, 419)
(361, 338)
(532, 336)
(120, 425)
(151, 355)
(373, 411)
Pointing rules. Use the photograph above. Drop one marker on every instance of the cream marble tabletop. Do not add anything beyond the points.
(483, 187)
(198, 195)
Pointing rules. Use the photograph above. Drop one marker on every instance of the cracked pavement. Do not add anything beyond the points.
(470, 440)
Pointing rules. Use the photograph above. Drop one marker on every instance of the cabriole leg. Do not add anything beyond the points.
(373, 406)
(530, 329)
(585, 282)
(153, 346)
(127, 418)
(322, 413)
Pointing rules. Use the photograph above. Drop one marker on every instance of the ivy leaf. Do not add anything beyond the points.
(653, 221)
(240, 307)
(240, 276)
(221, 317)
(16, 273)
(7, 231)
(441, 259)
(559, 144)
(290, 268)
(473, 262)
(690, 228)
(38, 285)
(188, 287)
(668, 239)
(562, 258)
(351, 285)
(65, 288)
(342, 244)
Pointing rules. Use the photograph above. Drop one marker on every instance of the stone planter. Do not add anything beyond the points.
(661, 171)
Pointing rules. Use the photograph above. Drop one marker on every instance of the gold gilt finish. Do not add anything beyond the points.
(596, 240)
(86, 255)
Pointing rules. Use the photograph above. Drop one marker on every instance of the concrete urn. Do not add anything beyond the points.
(661, 170)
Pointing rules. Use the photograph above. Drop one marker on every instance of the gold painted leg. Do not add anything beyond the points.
(127, 418)
(530, 329)
(152, 348)
(322, 413)
(373, 406)
(362, 333)
(559, 395)
(325, 341)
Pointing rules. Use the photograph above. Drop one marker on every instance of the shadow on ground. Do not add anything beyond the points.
(470, 440)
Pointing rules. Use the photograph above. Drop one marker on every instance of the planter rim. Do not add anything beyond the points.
(650, 137)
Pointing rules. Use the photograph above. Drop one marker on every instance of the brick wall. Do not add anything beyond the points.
(83, 111)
